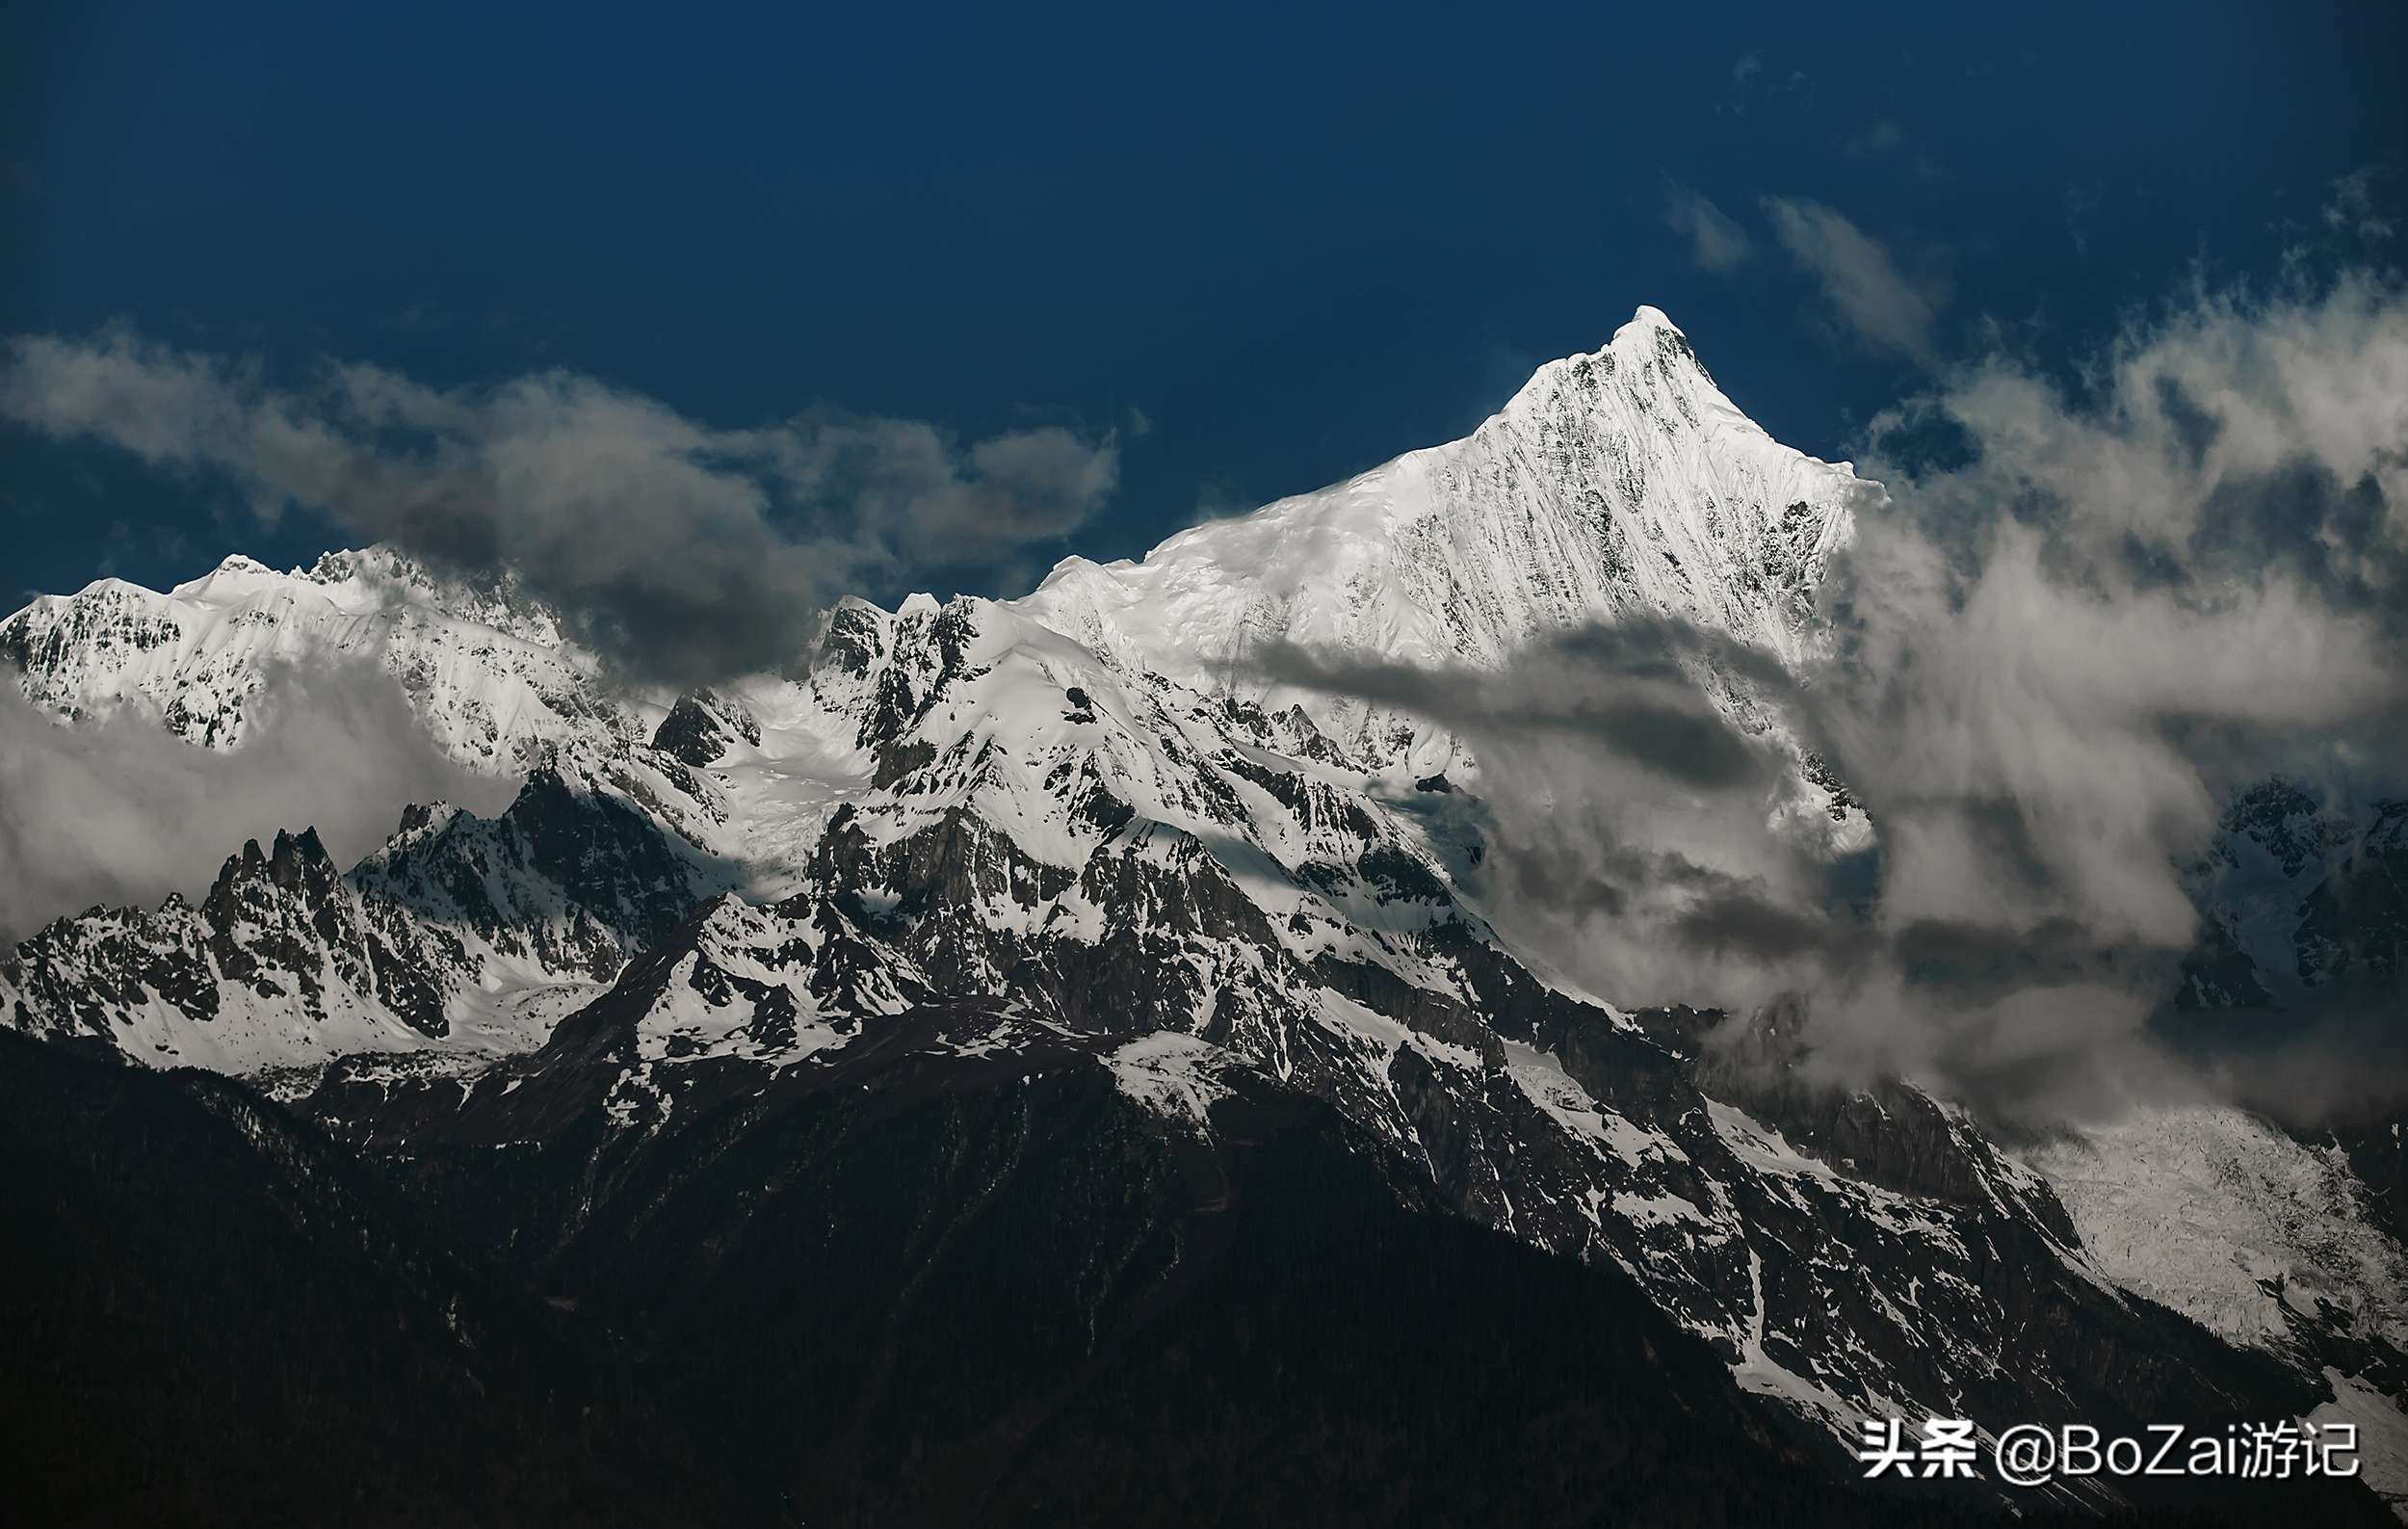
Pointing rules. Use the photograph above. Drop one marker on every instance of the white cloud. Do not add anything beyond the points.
(122, 811)
(1716, 242)
(2350, 207)
(683, 552)
(1861, 282)
(2063, 654)
(2056, 654)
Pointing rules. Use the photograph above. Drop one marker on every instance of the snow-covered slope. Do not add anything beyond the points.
(1083, 816)
(489, 670)
(2224, 1218)
(1044, 847)
(462, 938)
(2269, 1243)
(996, 816)
(1614, 484)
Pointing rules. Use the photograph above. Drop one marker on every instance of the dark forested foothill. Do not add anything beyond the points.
(911, 1289)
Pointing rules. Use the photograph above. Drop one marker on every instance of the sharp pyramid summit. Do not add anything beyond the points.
(1613, 483)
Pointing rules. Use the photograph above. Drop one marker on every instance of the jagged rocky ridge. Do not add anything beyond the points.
(1070, 833)
(461, 935)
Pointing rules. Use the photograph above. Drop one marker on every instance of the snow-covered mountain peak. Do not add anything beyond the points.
(1613, 483)
(232, 578)
(1647, 316)
(490, 670)
(1650, 339)
(1005, 833)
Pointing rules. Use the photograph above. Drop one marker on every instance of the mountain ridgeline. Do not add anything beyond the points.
(1026, 1065)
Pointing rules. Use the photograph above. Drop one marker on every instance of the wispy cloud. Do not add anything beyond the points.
(683, 552)
(2351, 207)
(118, 810)
(1879, 137)
(1716, 242)
(2054, 656)
(1219, 501)
(1750, 77)
(1862, 286)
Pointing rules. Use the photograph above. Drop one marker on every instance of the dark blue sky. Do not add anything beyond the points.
(1299, 240)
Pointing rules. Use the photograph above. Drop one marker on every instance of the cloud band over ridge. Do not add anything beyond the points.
(682, 553)
(2056, 655)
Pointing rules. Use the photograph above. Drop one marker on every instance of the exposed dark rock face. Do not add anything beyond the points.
(622, 882)
(1841, 801)
(1876, 1242)
(855, 638)
(1046, 994)
(2304, 906)
(2355, 923)
(1204, 1318)
(2219, 973)
(699, 729)
(2286, 824)
(566, 880)
(691, 735)
(282, 927)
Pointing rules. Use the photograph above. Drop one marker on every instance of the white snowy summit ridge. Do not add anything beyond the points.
(1619, 482)
(1614, 484)
(489, 670)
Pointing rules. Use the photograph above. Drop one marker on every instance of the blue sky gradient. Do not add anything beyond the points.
(1293, 242)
